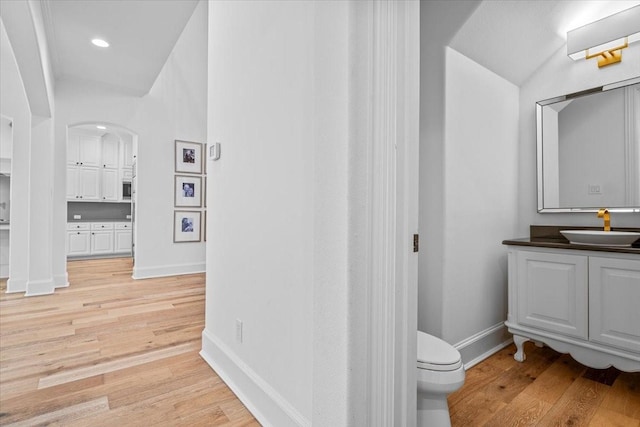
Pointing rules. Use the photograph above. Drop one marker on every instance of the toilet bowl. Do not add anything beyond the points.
(440, 372)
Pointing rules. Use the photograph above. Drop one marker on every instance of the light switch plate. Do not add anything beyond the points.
(214, 151)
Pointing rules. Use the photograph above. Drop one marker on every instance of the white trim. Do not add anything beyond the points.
(168, 270)
(632, 151)
(61, 280)
(39, 287)
(485, 343)
(16, 285)
(392, 176)
(262, 400)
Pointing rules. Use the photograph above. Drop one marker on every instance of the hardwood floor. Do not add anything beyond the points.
(111, 351)
(548, 389)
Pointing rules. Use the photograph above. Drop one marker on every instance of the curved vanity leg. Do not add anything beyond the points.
(519, 342)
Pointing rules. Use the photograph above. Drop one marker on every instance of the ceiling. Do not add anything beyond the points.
(510, 38)
(514, 38)
(141, 33)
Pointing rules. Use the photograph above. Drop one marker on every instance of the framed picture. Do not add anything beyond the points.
(188, 191)
(204, 191)
(204, 227)
(186, 226)
(188, 157)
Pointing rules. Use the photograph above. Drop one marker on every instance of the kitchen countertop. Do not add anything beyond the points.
(70, 221)
(543, 236)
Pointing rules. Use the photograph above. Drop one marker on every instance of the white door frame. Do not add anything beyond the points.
(390, 97)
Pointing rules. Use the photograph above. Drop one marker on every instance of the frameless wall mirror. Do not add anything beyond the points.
(588, 150)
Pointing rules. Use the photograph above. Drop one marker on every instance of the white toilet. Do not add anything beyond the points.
(440, 372)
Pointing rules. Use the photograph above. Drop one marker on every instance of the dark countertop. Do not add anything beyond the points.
(543, 236)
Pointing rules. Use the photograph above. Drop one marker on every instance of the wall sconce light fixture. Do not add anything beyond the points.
(604, 39)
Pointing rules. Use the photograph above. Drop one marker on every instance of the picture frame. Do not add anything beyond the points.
(204, 191)
(188, 157)
(187, 191)
(204, 227)
(186, 226)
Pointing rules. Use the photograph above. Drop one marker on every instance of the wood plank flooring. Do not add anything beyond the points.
(111, 351)
(547, 389)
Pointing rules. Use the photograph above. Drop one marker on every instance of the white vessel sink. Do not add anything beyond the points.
(600, 238)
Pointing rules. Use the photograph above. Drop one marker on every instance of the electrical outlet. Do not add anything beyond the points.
(239, 330)
(77, 216)
(594, 189)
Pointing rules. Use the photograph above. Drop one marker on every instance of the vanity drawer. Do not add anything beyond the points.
(80, 226)
(123, 226)
(102, 226)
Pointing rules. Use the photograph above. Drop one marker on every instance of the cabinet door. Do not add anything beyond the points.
(102, 242)
(110, 185)
(614, 302)
(72, 183)
(89, 184)
(89, 150)
(127, 154)
(122, 241)
(110, 153)
(78, 243)
(552, 292)
(73, 145)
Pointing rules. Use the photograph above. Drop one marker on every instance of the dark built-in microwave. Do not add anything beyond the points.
(126, 190)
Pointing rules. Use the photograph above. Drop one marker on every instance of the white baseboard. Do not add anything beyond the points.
(16, 285)
(480, 346)
(61, 280)
(266, 404)
(39, 287)
(168, 270)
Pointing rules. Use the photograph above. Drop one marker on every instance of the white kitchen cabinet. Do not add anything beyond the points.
(122, 237)
(110, 150)
(83, 183)
(126, 160)
(83, 150)
(78, 239)
(98, 238)
(576, 301)
(110, 181)
(101, 238)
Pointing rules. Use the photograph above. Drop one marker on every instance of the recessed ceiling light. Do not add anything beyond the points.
(101, 127)
(100, 43)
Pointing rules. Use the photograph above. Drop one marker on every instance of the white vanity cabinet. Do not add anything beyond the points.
(586, 303)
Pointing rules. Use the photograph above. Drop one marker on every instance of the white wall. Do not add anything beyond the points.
(14, 104)
(261, 272)
(175, 108)
(277, 245)
(558, 76)
(480, 199)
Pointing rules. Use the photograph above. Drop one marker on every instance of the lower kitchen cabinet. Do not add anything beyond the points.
(98, 238)
(122, 234)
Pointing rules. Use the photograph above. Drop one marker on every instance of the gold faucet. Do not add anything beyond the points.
(604, 213)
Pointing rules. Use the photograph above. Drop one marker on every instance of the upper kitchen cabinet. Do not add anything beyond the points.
(110, 149)
(127, 153)
(83, 150)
